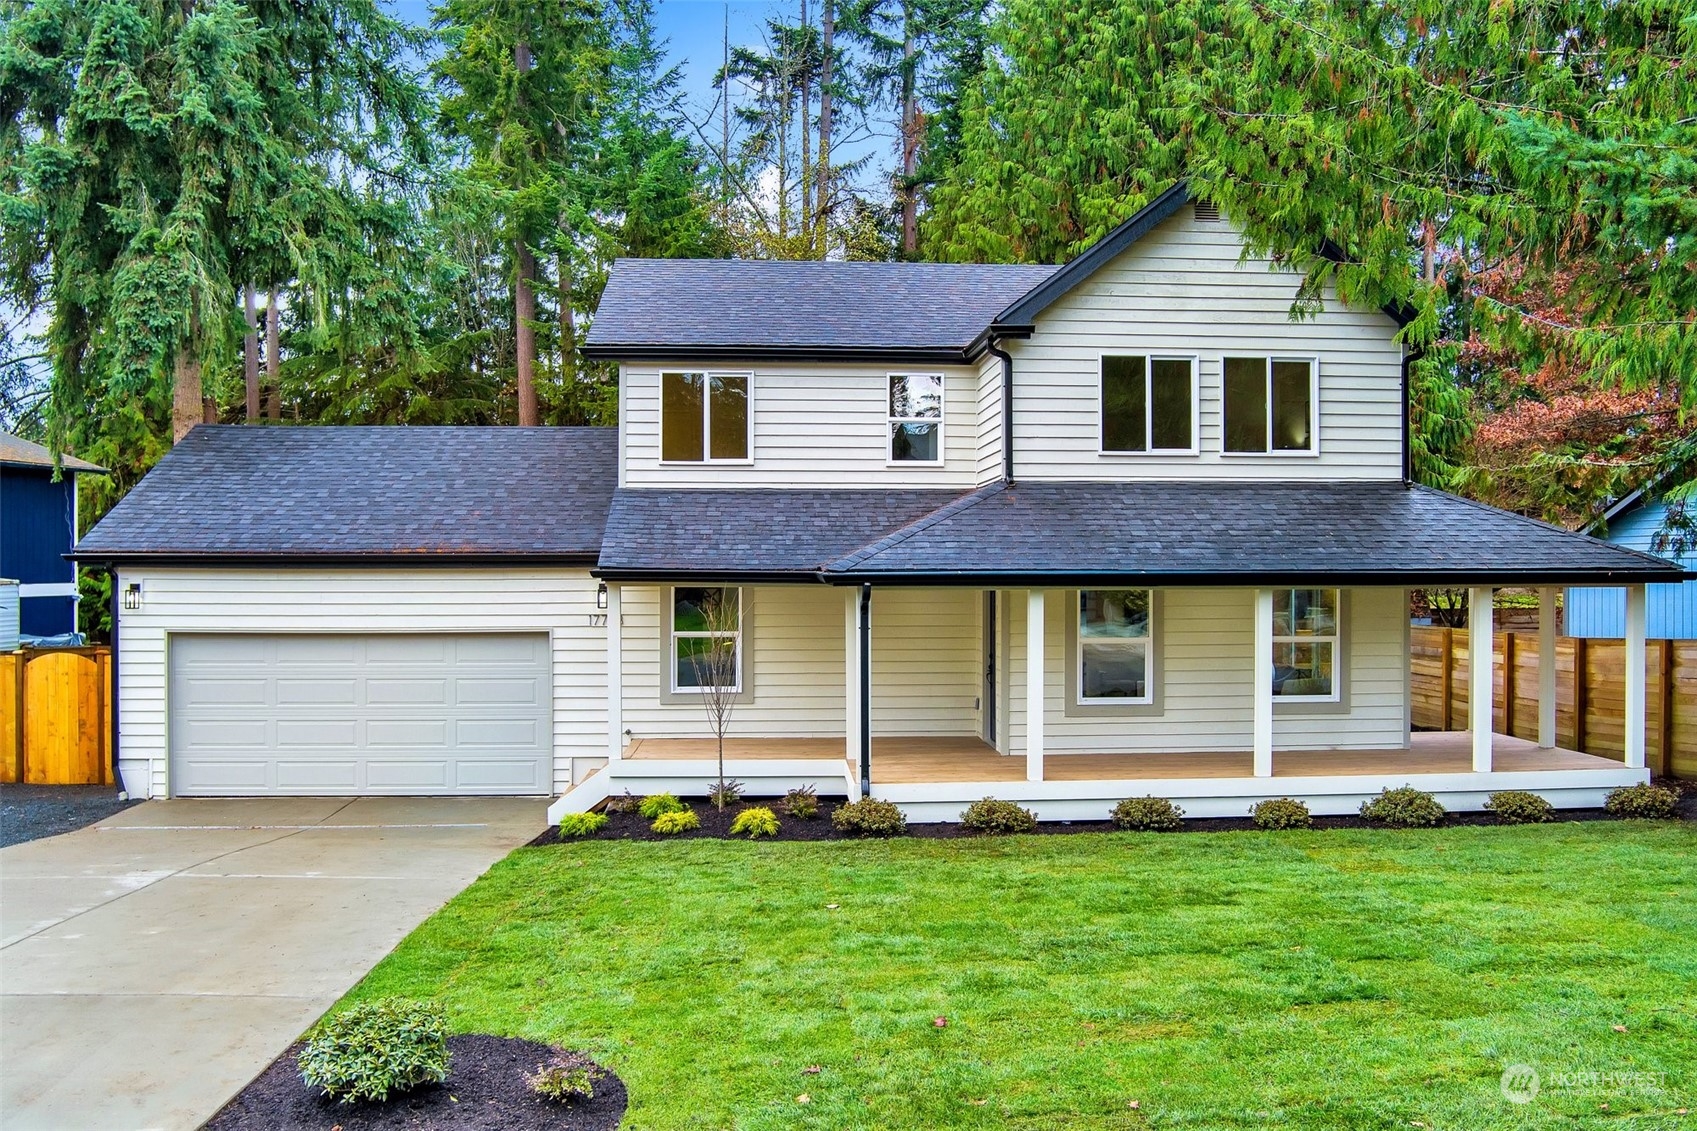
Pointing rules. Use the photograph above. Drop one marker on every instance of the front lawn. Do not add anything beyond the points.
(1338, 979)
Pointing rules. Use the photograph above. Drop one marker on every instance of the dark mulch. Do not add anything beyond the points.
(30, 812)
(485, 1091)
(717, 825)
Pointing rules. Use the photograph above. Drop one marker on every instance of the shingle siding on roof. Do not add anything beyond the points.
(718, 304)
(19, 452)
(417, 493)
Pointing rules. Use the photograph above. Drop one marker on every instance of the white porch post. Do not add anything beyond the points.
(1263, 699)
(1480, 637)
(1035, 649)
(851, 685)
(1636, 615)
(1547, 667)
(615, 677)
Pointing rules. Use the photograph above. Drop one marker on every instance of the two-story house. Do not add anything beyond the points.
(1060, 535)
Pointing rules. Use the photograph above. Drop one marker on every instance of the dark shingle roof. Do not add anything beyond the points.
(15, 451)
(708, 531)
(1379, 531)
(368, 493)
(700, 309)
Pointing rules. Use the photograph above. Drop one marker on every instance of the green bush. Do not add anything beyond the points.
(582, 824)
(659, 804)
(755, 823)
(1642, 801)
(998, 818)
(1148, 814)
(1281, 813)
(625, 802)
(568, 1077)
(869, 817)
(1404, 808)
(377, 1049)
(723, 793)
(802, 803)
(1517, 807)
(675, 821)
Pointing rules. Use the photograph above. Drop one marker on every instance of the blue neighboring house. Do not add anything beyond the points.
(38, 527)
(1671, 607)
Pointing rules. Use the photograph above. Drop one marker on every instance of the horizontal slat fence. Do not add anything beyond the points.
(1590, 692)
(56, 716)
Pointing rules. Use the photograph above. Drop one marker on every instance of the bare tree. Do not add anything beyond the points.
(715, 663)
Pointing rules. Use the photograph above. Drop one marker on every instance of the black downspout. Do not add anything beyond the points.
(1407, 425)
(1007, 408)
(114, 602)
(865, 628)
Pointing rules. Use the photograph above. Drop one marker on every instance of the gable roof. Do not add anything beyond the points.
(367, 495)
(743, 309)
(15, 451)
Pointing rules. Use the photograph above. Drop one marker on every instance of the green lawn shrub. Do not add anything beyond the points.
(802, 803)
(659, 804)
(755, 823)
(1281, 813)
(1404, 808)
(869, 817)
(1518, 807)
(567, 1078)
(1148, 814)
(998, 818)
(582, 824)
(675, 821)
(1642, 802)
(376, 1050)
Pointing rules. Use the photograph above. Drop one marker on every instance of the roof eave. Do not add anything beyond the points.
(1414, 579)
(115, 558)
(632, 352)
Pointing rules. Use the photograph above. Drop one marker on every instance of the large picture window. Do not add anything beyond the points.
(916, 418)
(1148, 404)
(703, 417)
(1115, 633)
(1269, 404)
(706, 638)
(1305, 644)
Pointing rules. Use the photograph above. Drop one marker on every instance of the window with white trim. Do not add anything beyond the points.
(1115, 635)
(1148, 404)
(1305, 644)
(1270, 404)
(704, 417)
(916, 418)
(706, 638)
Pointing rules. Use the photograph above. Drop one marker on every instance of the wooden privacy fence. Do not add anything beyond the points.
(1590, 692)
(56, 716)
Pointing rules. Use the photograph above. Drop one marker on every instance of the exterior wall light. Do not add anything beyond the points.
(601, 596)
(132, 596)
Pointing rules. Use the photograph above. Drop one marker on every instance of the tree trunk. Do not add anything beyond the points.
(568, 323)
(524, 333)
(804, 227)
(186, 407)
(274, 357)
(910, 144)
(822, 182)
(250, 355)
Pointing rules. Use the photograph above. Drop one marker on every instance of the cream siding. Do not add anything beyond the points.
(814, 426)
(1182, 289)
(559, 602)
(989, 419)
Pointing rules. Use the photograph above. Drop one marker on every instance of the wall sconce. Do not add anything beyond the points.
(601, 596)
(132, 596)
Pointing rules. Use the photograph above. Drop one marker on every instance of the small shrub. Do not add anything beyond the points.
(568, 1077)
(869, 817)
(722, 793)
(998, 818)
(377, 1049)
(1517, 807)
(582, 824)
(1642, 801)
(755, 823)
(659, 804)
(676, 821)
(1281, 813)
(626, 802)
(1148, 814)
(802, 803)
(1404, 808)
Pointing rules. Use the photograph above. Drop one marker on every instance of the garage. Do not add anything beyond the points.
(377, 713)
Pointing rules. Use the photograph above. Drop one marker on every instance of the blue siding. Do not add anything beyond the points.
(37, 529)
(1672, 608)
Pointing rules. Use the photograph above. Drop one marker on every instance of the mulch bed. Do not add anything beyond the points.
(716, 825)
(485, 1091)
(30, 812)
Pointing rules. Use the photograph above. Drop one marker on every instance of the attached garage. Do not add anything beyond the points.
(360, 714)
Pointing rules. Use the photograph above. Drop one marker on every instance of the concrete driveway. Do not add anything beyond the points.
(154, 963)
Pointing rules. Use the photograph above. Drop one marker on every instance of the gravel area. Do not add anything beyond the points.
(30, 812)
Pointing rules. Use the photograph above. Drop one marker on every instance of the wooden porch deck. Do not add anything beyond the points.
(916, 760)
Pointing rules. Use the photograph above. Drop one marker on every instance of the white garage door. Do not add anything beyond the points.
(360, 714)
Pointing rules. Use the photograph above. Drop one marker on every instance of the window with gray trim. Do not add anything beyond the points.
(1115, 639)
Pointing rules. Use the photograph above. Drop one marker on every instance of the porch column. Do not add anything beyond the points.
(1035, 649)
(1263, 698)
(1636, 615)
(851, 679)
(615, 677)
(863, 634)
(1547, 667)
(1479, 682)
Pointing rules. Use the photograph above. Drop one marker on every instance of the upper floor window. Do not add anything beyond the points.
(703, 417)
(1114, 637)
(1305, 644)
(706, 638)
(1269, 404)
(916, 418)
(1148, 404)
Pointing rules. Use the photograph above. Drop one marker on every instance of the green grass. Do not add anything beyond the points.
(1338, 979)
